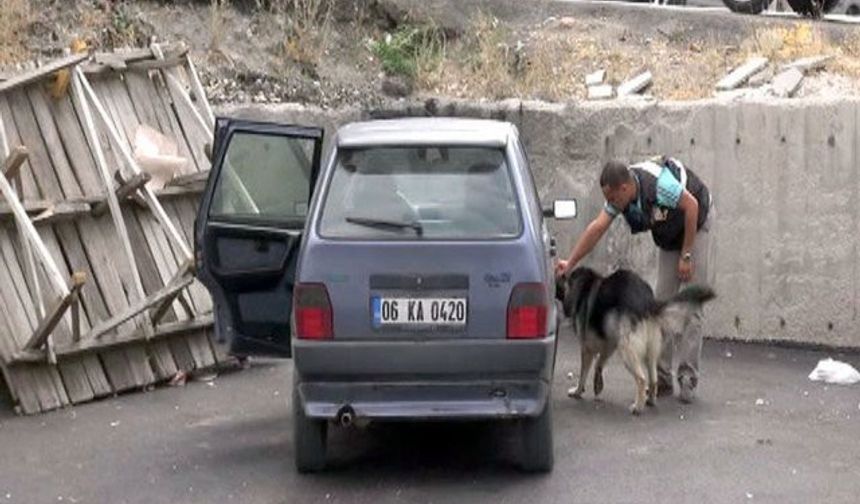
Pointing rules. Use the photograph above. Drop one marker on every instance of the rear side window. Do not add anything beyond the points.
(265, 177)
(429, 192)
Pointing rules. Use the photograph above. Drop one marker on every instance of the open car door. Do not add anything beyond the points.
(249, 229)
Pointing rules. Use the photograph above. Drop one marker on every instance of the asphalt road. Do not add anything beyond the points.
(760, 432)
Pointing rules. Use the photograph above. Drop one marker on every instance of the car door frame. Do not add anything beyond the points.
(225, 285)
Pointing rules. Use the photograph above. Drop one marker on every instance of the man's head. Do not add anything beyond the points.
(617, 184)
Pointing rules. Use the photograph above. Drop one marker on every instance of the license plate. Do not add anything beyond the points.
(418, 312)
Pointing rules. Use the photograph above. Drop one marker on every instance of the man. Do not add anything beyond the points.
(663, 197)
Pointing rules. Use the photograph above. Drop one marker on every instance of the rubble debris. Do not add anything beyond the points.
(786, 83)
(742, 73)
(636, 84)
(595, 78)
(601, 92)
(809, 64)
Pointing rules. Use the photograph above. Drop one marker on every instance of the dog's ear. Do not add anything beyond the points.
(577, 284)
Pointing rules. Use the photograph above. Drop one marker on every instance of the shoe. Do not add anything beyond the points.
(687, 386)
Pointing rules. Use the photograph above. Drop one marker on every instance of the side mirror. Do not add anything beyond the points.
(561, 209)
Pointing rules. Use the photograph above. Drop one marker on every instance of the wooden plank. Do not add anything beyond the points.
(13, 161)
(191, 179)
(106, 294)
(42, 72)
(165, 332)
(117, 368)
(197, 131)
(180, 95)
(119, 105)
(61, 212)
(115, 135)
(83, 242)
(101, 164)
(123, 191)
(176, 50)
(75, 374)
(185, 213)
(139, 307)
(102, 69)
(19, 381)
(131, 121)
(28, 189)
(41, 381)
(121, 366)
(158, 312)
(140, 371)
(29, 263)
(198, 344)
(199, 92)
(164, 359)
(45, 178)
(177, 123)
(57, 311)
(76, 381)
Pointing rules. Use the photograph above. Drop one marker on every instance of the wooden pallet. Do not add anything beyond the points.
(98, 295)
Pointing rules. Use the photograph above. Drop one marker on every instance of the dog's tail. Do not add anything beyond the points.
(676, 313)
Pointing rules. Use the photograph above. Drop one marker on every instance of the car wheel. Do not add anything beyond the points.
(309, 437)
(747, 6)
(537, 452)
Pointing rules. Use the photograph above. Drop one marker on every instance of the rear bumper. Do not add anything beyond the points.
(456, 379)
(425, 401)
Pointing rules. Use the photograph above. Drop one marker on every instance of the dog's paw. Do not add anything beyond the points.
(651, 401)
(575, 392)
(635, 409)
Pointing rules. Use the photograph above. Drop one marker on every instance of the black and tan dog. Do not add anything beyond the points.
(620, 311)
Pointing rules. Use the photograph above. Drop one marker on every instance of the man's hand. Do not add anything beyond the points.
(561, 267)
(685, 269)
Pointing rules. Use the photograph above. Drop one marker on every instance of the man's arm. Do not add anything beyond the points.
(586, 242)
(690, 206)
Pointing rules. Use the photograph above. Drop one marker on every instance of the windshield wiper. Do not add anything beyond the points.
(383, 223)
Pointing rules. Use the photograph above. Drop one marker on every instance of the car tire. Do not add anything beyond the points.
(537, 450)
(309, 438)
(747, 6)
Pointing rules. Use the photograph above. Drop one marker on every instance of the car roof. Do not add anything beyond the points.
(426, 131)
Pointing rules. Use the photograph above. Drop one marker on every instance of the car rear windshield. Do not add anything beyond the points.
(430, 192)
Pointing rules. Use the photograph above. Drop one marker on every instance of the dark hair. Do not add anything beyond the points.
(614, 174)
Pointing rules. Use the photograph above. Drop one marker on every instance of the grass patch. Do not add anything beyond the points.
(414, 51)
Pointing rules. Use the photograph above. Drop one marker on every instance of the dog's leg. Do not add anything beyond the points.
(586, 356)
(634, 365)
(605, 353)
(652, 357)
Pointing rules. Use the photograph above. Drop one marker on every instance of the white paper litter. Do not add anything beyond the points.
(157, 155)
(833, 371)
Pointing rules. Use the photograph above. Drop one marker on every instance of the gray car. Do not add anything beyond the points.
(417, 263)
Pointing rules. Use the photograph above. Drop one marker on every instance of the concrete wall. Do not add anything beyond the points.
(784, 175)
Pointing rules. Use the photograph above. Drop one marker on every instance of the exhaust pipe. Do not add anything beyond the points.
(345, 416)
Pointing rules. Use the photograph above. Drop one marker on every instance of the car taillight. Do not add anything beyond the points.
(527, 310)
(312, 311)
